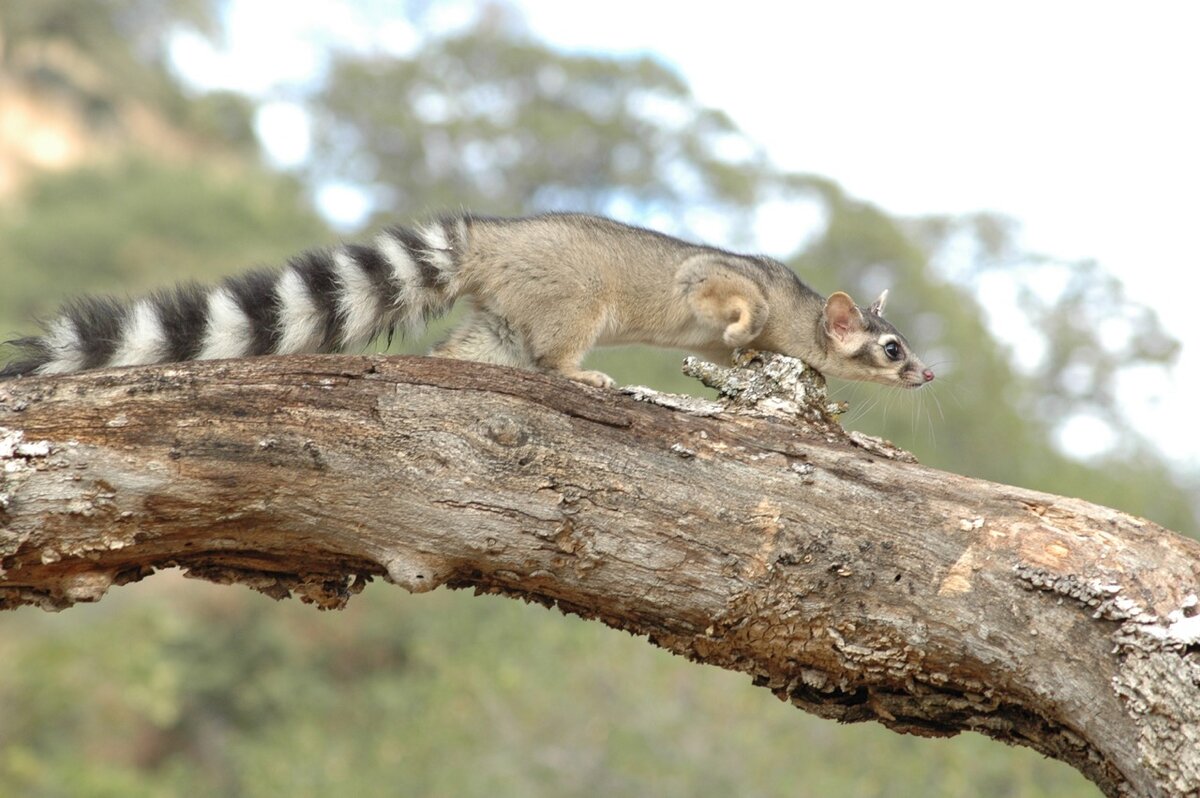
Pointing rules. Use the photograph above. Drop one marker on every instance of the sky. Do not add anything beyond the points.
(1081, 120)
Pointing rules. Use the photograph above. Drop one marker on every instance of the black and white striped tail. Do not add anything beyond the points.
(321, 301)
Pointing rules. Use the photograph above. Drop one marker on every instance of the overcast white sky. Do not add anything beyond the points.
(1079, 119)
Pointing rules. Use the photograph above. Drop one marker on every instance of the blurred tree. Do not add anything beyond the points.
(135, 225)
(136, 696)
(175, 688)
(981, 397)
(1092, 333)
(107, 61)
(491, 120)
(125, 37)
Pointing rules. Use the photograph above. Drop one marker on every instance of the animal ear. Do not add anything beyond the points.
(842, 316)
(877, 305)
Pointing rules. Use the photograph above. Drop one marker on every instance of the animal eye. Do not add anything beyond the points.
(892, 350)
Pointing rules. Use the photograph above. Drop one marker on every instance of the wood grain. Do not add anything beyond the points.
(855, 586)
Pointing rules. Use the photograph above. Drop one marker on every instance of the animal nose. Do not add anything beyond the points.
(928, 375)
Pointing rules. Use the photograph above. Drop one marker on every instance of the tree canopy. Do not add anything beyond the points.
(490, 119)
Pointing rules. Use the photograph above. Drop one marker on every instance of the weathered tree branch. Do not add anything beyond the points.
(851, 583)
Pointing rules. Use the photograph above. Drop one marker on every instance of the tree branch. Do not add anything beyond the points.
(753, 534)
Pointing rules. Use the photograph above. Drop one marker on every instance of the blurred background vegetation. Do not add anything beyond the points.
(116, 176)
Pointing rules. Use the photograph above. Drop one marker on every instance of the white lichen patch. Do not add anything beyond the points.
(18, 456)
(1182, 626)
(1183, 632)
(9, 438)
(35, 449)
(767, 384)
(13, 445)
(674, 401)
(1157, 667)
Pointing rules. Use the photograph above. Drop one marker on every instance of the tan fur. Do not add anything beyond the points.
(543, 291)
(547, 289)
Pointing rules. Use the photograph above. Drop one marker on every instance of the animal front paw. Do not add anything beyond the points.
(597, 379)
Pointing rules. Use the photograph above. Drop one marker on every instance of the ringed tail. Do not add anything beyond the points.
(323, 300)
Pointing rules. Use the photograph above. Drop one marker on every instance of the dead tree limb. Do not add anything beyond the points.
(851, 583)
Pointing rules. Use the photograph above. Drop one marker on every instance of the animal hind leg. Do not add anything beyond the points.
(487, 338)
(722, 298)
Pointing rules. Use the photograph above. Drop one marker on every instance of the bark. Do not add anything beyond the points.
(751, 533)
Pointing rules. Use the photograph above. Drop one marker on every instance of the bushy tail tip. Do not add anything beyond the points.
(32, 355)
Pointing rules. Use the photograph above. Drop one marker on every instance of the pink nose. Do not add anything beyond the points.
(928, 375)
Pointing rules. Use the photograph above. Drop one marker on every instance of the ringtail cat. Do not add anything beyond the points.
(543, 290)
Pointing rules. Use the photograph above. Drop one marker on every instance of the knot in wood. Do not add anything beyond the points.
(417, 572)
(506, 431)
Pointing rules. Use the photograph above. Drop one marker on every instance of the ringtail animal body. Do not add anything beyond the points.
(543, 290)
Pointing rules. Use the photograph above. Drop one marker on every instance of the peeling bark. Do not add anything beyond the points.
(751, 533)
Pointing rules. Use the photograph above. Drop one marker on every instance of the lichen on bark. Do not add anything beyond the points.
(751, 532)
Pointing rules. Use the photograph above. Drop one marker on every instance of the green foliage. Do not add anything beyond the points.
(169, 688)
(101, 54)
(1092, 330)
(982, 416)
(490, 120)
(113, 31)
(137, 225)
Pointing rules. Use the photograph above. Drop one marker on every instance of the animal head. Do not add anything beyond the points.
(864, 346)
